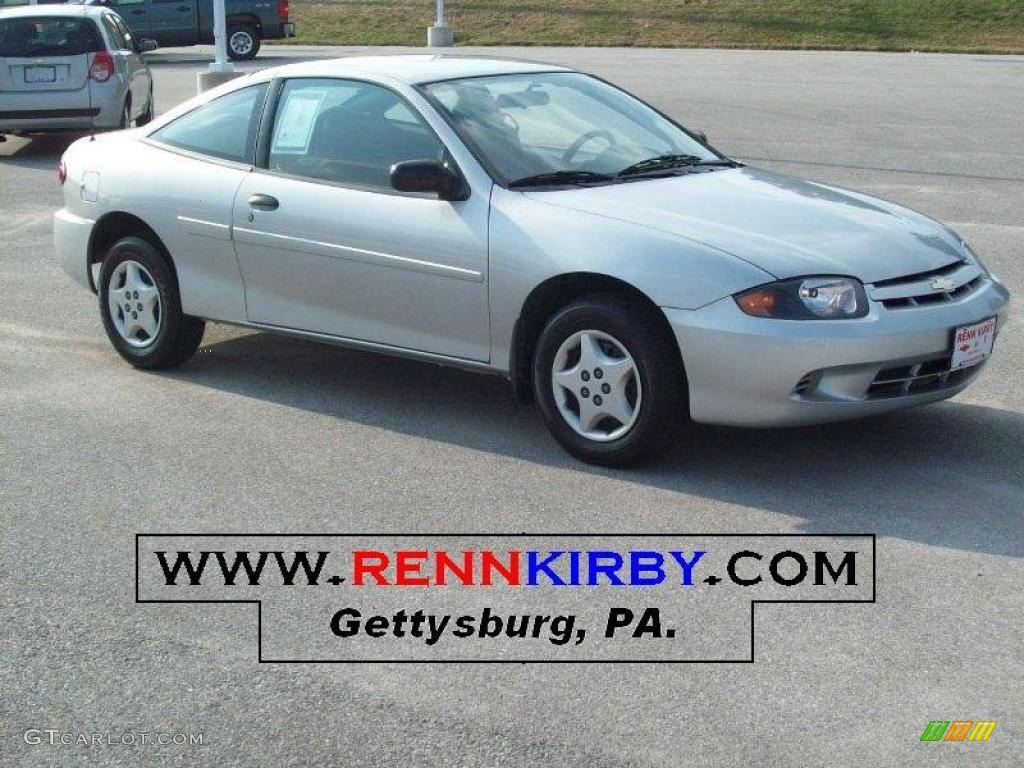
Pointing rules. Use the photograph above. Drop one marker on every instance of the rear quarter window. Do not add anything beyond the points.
(34, 36)
(224, 128)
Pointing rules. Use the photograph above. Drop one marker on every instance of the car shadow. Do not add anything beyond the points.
(40, 150)
(949, 474)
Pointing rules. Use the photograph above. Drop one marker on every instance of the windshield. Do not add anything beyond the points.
(537, 124)
(22, 37)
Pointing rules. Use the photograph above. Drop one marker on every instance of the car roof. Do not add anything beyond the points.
(412, 69)
(35, 11)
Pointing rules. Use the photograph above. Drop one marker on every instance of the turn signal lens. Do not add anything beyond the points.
(760, 302)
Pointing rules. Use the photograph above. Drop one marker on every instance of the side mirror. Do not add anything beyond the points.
(428, 176)
(701, 136)
(146, 45)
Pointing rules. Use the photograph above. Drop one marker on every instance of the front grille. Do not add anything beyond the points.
(917, 290)
(918, 379)
(924, 299)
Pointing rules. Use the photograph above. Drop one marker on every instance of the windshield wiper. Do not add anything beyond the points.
(668, 162)
(555, 178)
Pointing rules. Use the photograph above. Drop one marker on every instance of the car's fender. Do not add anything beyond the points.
(184, 200)
(532, 242)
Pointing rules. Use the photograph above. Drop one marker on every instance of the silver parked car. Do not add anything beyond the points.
(68, 68)
(525, 220)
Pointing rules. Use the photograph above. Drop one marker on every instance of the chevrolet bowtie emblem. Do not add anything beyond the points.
(944, 284)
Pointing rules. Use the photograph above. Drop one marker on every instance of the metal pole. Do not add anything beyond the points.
(221, 70)
(220, 39)
(440, 35)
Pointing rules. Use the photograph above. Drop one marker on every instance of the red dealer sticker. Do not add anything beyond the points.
(973, 343)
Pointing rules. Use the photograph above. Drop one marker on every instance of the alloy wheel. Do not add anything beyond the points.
(596, 385)
(134, 303)
(241, 42)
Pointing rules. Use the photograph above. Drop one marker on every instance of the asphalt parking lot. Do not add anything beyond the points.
(260, 433)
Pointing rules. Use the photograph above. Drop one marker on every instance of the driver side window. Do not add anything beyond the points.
(346, 132)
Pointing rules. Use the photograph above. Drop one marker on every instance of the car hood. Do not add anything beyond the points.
(786, 226)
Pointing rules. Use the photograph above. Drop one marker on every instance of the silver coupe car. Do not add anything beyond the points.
(525, 220)
(66, 68)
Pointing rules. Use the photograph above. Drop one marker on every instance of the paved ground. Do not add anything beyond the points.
(265, 434)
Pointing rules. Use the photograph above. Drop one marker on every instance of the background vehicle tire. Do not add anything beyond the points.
(243, 41)
(146, 117)
(608, 380)
(141, 307)
(126, 115)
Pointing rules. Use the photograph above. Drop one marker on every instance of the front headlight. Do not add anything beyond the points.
(806, 298)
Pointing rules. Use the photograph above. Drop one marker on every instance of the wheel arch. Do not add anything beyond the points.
(247, 19)
(110, 228)
(549, 297)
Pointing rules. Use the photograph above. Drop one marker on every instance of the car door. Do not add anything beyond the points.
(173, 22)
(325, 244)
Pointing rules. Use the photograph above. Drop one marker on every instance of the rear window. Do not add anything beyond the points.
(32, 36)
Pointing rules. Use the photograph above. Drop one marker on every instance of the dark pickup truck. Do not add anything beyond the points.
(190, 22)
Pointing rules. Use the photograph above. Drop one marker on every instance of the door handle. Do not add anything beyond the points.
(138, 11)
(263, 202)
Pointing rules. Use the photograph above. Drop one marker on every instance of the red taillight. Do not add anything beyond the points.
(282, 10)
(62, 172)
(102, 67)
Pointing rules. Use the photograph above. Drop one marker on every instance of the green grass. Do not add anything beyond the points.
(986, 26)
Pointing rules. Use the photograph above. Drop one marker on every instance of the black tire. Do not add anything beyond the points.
(126, 114)
(241, 29)
(178, 335)
(146, 117)
(656, 356)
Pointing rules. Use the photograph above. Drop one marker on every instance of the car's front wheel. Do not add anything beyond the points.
(141, 307)
(608, 380)
(146, 117)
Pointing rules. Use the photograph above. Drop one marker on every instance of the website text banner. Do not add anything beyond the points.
(569, 598)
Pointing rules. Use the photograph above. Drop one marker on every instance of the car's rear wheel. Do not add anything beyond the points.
(243, 42)
(126, 115)
(608, 380)
(141, 307)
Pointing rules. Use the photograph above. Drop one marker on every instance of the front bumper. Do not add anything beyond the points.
(753, 372)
